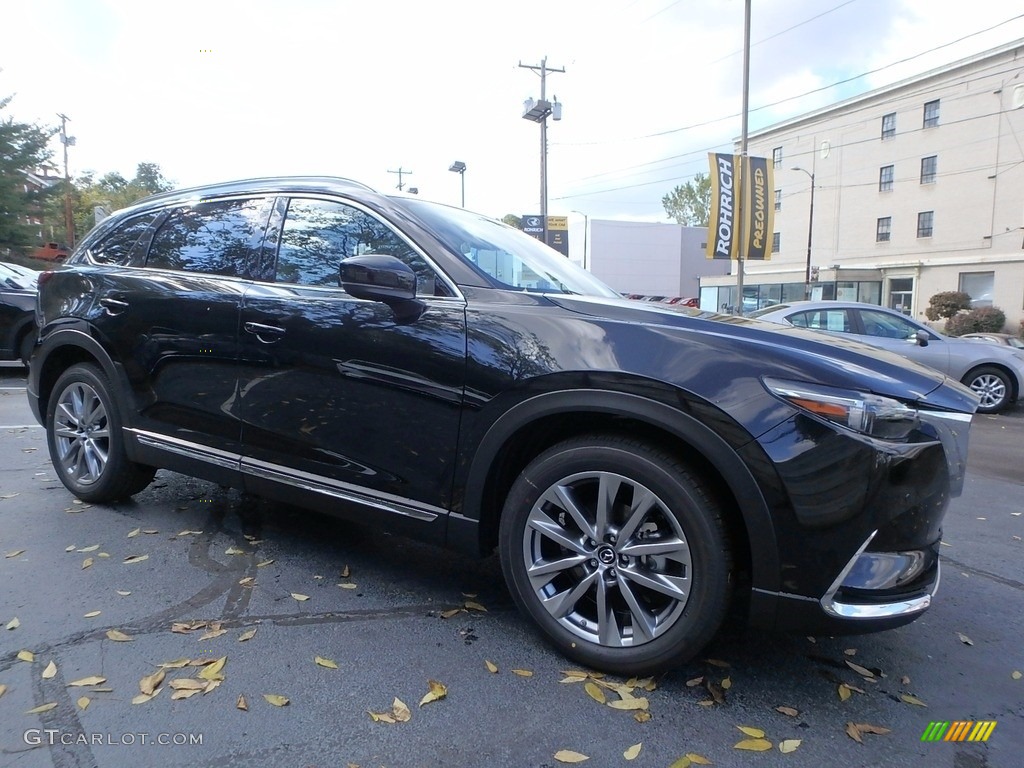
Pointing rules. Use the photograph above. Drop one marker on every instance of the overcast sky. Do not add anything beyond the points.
(218, 90)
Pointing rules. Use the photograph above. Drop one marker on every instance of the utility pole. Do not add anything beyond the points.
(538, 112)
(401, 171)
(69, 222)
(743, 158)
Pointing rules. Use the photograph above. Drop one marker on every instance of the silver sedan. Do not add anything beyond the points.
(995, 373)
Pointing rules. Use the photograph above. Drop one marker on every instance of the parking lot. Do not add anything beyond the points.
(340, 621)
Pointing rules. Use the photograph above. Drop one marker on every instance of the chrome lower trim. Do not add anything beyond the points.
(286, 475)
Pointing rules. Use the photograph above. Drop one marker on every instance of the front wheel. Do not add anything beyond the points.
(83, 433)
(992, 386)
(618, 553)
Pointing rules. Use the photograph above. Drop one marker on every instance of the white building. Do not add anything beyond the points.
(918, 188)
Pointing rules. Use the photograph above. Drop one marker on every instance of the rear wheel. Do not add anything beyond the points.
(618, 553)
(992, 386)
(84, 436)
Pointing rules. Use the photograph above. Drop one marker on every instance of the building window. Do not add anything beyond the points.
(883, 229)
(931, 114)
(777, 157)
(901, 294)
(776, 240)
(885, 178)
(928, 167)
(979, 286)
(925, 221)
(778, 199)
(889, 125)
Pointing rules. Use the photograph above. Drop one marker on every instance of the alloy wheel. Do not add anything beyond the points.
(81, 433)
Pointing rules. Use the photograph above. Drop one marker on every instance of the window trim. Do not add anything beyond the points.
(934, 170)
(890, 132)
(887, 232)
(776, 157)
(886, 185)
(776, 242)
(933, 120)
(931, 224)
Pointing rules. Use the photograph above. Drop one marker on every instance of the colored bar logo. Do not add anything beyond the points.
(960, 730)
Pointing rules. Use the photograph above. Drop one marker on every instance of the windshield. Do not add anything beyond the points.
(508, 255)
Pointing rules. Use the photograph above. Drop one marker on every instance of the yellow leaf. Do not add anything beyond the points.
(3, 689)
(493, 668)
(187, 684)
(276, 699)
(211, 685)
(325, 662)
(912, 700)
(91, 614)
(213, 671)
(212, 633)
(400, 711)
(264, 564)
(727, 684)
(248, 581)
(474, 606)
(381, 717)
(136, 558)
(71, 548)
(573, 678)
(868, 728)
(93, 548)
(789, 745)
(694, 682)
(300, 598)
(14, 623)
(86, 563)
(123, 592)
(629, 703)
(753, 745)
(234, 551)
(345, 572)
(697, 759)
(142, 698)
(134, 532)
(450, 612)
(437, 691)
(595, 692)
(568, 756)
(854, 732)
(844, 691)
(641, 717)
(185, 693)
(118, 636)
(151, 531)
(349, 585)
(83, 702)
(93, 680)
(756, 733)
(862, 671)
(242, 704)
(682, 762)
(26, 656)
(632, 752)
(150, 683)
(50, 671)
(249, 634)
(1016, 674)
(522, 672)
(42, 708)
(176, 664)
(789, 711)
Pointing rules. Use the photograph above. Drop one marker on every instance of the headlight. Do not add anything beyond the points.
(862, 412)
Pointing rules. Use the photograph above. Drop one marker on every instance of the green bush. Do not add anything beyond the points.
(980, 320)
(947, 304)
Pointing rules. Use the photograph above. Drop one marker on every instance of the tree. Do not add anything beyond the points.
(512, 220)
(690, 203)
(947, 304)
(23, 148)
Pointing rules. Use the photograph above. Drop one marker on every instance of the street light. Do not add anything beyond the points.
(537, 112)
(810, 231)
(586, 221)
(460, 168)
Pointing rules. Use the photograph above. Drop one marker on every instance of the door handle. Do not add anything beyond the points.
(259, 330)
(113, 306)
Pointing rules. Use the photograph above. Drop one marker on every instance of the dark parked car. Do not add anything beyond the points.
(17, 311)
(424, 369)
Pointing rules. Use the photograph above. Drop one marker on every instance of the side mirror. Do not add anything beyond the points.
(384, 278)
(921, 337)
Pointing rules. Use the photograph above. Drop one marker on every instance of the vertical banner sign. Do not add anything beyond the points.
(558, 234)
(533, 225)
(757, 209)
(723, 238)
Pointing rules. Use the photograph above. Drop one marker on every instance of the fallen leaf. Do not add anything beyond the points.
(681, 762)
(264, 564)
(83, 702)
(595, 692)
(92, 548)
(214, 631)
(905, 680)
(641, 716)
(755, 733)
(630, 703)
(349, 585)
(400, 711)
(474, 606)
(844, 691)
(276, 699)
(190, 533)
(727, 684)
(437, 691)
(568, 756)
(753, 745)
(42, 708)
(632, 752)
(522, 672)
(850, 651)
(150, 531)
(187, 684)
(8, 495)
(868, 728)
(345, 572)
(26, 656)
(150, 683)
(92, 680)
(91, 614)
(214, 671)
(862, 671)
(211, 685)
(86, 563)
(381, 717)
(912, 700)
(118, 636)
(320, 660)
(696, 759)
(789, 745)
(134, 532)
(186, 627)
(248, 581)
(15, 553)
(718, 663)
(242, 704)
(854, 732)
(50, 672)
(71, 548)
(185, 693)
(176, 664)
(135, 558)
(964, 638)
(300, 598)
(694, 682)
(249, 634)
(493, 668)
(450, 612)
(232, 550)
(1016, 674)
(14, 623)
(573, 678)
(788, 711)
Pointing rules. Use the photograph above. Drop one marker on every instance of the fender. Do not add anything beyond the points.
(756, 517)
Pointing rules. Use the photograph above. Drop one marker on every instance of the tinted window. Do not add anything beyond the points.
(116, 248)
(220, 238)
(822, 320)
(318, 234)
(886, 326)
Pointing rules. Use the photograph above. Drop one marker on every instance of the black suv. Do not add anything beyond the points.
(427, 369)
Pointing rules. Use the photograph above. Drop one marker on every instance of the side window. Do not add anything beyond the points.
(885, 325)
(117, 247)
(219, 238)
(318, 234)
(823, 320)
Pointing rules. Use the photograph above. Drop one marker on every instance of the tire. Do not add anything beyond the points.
(638, 593)
(83, 433)
(992, 385)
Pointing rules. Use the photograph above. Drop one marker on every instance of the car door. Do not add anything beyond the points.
(172, 320)
(336, 394)
(898, 334)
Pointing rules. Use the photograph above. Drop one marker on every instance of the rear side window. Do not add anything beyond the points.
(218, 238)
(823, 320)
(117, 247)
